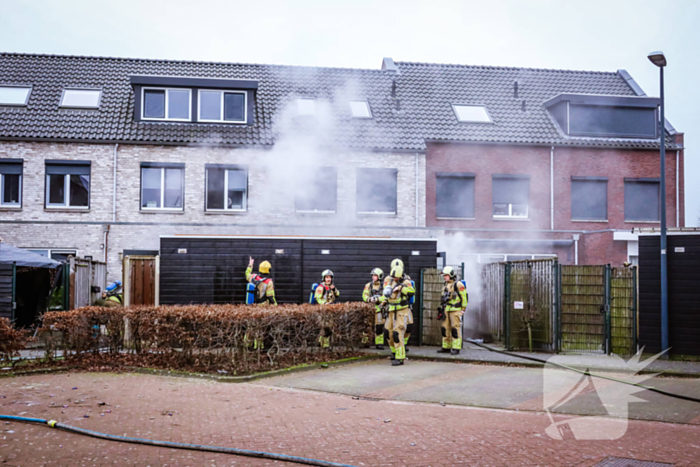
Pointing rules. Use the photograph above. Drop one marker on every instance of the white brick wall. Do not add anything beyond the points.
(270, 199)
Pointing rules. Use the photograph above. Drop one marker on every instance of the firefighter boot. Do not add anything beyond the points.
(396, 362)
(454, 351)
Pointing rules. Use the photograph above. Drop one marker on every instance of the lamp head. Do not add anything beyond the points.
(657, 58)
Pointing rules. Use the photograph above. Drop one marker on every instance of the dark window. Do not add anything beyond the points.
(318, 192)
(221, 106)
(162, 187)
(68, 184)
(234, 107)
(226, 188)
(154, 103)
(589, 199)
(511, 195)
(455, 195)
(642, 200)
(10, 182)
(598, 120)
(376, 190)
(179, 104)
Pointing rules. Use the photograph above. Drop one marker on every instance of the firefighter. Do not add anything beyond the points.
(325, 294)
(409, 328)
(112, 296)
(399, 294)
(264, 288)
(373, 294)
(451, 311)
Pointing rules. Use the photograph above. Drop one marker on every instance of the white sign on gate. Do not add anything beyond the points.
(518, 305)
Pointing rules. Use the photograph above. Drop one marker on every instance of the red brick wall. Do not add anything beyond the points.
(599, 248)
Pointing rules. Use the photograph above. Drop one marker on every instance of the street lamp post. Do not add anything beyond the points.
(658, 59)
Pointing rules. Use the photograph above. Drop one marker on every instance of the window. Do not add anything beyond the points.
(11, 183)
(455, 195)
(55, 254)
(81, 98)
(68, 184)
(511, 195)
(222, 106)
(167, 104)
(14, 95)
(227, 188)
(589, 198)
(376, 191)
(471, 113)
(319, 192)
(360, 109)
(162, 186)
(642, 199)
(306, 107)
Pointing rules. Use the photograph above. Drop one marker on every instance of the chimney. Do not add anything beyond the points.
(524, 109)
(389, 65)
(515, 90)
(393, 89)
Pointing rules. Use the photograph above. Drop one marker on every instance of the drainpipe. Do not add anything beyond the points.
(678, 214)
(114, 185)
(576, 237)
(551, 187)
(416, 185)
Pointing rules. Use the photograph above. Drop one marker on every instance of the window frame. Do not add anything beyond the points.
(222, 92)
(395, 212)
(459, 175)
(593, 180)
(66, 186)
(319, 211)
(11, 162)
(361, 117)
(162, 168)
(22, 86)
(510, 215)
(656, 181)
(226, 169)
(51, 251)
(167, 104)
(454, 109)
(63, 96)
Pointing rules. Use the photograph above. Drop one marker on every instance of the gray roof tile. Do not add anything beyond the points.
(425, 93)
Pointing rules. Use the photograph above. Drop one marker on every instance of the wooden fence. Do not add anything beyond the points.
(88, 280)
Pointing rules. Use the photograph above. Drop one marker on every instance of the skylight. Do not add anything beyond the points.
(14, 95)
(306, 107)
(471, 113)
(81, 98)
(360, 109)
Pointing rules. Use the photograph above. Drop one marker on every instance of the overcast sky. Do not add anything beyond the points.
(583, 35)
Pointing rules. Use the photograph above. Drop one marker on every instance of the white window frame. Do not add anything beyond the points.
(510, 214)
(162, 190)
(3, 204)
(221, 118)
(454, 109)
(226, 208)
(167, 104)
(50, 251)
(26, 101)
(67, 106)
(369, 110)
(66, 191)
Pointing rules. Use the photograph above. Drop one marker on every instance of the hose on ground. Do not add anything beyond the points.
(173, 445)
(585, 372)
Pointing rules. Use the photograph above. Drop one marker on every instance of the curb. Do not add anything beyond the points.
(38, 371)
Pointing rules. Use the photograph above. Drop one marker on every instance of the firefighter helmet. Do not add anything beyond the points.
(396, 262)
(397, 271)
(264, 267)
(325, 273)
(378, 272)
(449, 271)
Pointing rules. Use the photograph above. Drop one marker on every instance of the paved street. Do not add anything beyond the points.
(271, 417)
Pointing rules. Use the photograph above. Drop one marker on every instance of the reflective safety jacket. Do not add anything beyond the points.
(373, 289)
(457, 299)
(324, 295)
(400, 298)
(264, 288)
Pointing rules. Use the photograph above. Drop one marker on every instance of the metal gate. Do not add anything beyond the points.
(584, 295)
(430, 297)
(141, 274)
(87, 281)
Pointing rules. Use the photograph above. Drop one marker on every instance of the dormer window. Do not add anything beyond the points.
(222, 106)
(81, 98)
(360, 109)
(471, 113)
(306, 107)
(14, 95)
(167, 104)
(605, 116)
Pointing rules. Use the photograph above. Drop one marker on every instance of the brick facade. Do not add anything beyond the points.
(271, 209)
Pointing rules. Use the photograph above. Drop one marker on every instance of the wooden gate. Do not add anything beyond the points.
(87, 281)
(141, 280)
(584, 292)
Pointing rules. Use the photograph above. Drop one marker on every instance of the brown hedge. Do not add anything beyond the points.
(236, 339)
(12, 340)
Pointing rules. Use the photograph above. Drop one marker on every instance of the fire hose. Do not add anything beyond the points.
(173, 445)
(585, 372)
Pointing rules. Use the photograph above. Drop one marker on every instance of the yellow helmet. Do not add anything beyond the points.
(378, 272)
(264, 267)
(396, 262)
(397, 271)
(449, 271)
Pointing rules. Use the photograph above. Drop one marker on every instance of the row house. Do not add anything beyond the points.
(101, 157)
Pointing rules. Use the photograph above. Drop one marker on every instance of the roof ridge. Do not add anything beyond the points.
(460, 65)
(199, 62)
